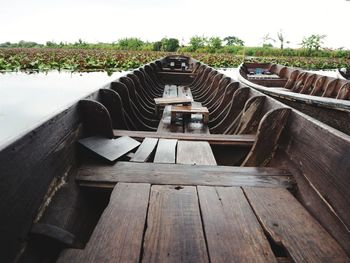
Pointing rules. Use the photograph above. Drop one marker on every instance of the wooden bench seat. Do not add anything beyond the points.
(162, 102)
(176, 174)
(186, 110)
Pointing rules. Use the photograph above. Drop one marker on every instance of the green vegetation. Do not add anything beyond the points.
(130, 53)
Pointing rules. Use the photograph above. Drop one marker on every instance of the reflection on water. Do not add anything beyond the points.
(26, 100)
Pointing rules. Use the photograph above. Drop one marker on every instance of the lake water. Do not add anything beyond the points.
(27, 100)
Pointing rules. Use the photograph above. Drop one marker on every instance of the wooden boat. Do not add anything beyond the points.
(108, 180)
(344, 73)
(322, 97)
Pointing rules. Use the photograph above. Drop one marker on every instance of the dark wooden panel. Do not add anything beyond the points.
(145, 150)
(231, 228)
(189, 152)
(174, 228)
(165, 152)
(322, 155)
(118, 234)
(110, 149)
(105, 176)
(216, 139)
(288, 223)
(165, 124)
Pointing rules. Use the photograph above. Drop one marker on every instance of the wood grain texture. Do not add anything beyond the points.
(110, 149)
(99, 176)
(267, 138)
(166, 126)
(198, 153)
(288, 223)
(166, 151)
(118, 234)
(245, 140)
(231, 228)
(145, 150)
(174, 229)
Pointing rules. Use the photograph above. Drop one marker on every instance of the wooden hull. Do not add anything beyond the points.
(332, 111)
(54, 191)
(343, 75)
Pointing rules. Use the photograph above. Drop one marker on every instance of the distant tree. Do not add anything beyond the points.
(281, 39)
(157, 46)
(233, 41)
(267, 40)
(197, 42)
(214, 43)
(132, 43)
(313, 42)
(170, 44)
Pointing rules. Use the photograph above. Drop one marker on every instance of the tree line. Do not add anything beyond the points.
(310, 46)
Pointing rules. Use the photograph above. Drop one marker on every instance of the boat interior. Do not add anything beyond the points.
(295, 80)
(176, 162)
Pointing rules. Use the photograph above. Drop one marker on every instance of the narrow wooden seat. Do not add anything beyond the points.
(189, 110)
(174, 174)
(172, 100)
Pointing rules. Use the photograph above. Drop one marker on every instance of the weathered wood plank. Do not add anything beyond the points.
(174, 174)
(198, 153)
(145, 150)
(110, 149)
(170, 91)
(289, 224)
(174, 228)
(165, 152)
(231, 228)
(165, 124)
(118, 234)
(245, 140)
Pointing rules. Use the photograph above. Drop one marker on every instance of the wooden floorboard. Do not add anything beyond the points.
(145, 150)
(198, 153)
(176, 174)
(110, 149)
(174, 228)
(166, 151)
(289, 224)
(119, 232)
(232, 231)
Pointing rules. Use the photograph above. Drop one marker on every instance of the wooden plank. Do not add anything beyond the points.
(174, 228)
(231, 228)
(107, 176)
(172, 100)
(289, 224)
(165, 152)
(165, 124)
(145, 150)
(170, 91)
(189, 109)
(244, 140)
(189, 152)
(191, 127)
(110, 149)
(118, 234)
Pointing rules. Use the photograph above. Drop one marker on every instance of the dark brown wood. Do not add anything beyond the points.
(289, 224)
(196, 153)
(242, 140)
(166, 125)
(174, 229)
(110, 149)
(166, 150)
(232, 231)
(145, 150)
(54, 232)
(173, 174)
(118, 234)
(269, 131)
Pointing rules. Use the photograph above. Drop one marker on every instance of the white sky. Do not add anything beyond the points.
(108, 20)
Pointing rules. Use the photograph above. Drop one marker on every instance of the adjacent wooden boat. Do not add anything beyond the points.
(344, 73)
(109, 180)
(322, 97)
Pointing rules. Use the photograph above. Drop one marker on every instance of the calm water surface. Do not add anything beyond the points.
(27, 100)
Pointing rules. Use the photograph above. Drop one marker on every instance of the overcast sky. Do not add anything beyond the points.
(110, 20)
